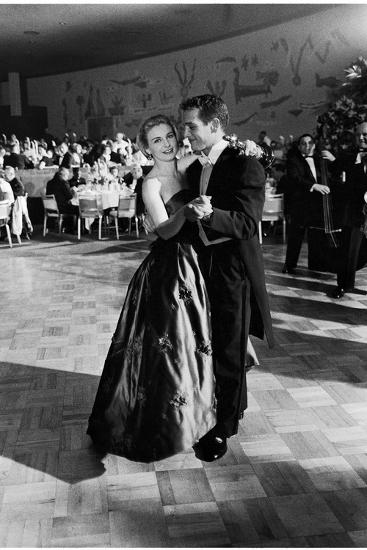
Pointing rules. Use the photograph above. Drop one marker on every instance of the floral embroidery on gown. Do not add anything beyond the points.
(156, 393)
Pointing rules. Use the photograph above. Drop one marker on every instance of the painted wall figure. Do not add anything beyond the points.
(242, 91)
(218, 88)
(184, 79)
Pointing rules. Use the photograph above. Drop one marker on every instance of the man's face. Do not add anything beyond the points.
(306, 146)
(9, 173)
(199, 134)
(137, 172)
(362, 135)
(64, 174)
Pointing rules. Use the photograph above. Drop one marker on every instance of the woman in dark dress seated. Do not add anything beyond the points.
(156, 393)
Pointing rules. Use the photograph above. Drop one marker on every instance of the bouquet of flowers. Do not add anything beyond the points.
(348, 110)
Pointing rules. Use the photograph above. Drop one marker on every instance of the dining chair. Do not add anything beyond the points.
(51, 210)
(90, 209)
(126, 209)
(5, 210)
(273, 211)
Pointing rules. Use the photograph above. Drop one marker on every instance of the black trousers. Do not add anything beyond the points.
(229, 299)
(351, 240)
(296, 235)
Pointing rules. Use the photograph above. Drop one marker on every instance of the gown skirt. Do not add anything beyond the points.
(156, 395)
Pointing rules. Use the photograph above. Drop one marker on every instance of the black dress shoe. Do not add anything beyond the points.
(210, 448)
(338, 292)
(289, 270)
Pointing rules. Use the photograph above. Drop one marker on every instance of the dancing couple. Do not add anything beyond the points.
(175, 375)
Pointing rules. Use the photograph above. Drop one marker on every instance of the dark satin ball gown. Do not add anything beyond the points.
(156, 393)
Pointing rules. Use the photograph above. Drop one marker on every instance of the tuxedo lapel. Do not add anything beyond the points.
(217, 173)
(193, 174)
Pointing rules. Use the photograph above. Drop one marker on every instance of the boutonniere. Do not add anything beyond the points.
(235, 143)
(263, 153)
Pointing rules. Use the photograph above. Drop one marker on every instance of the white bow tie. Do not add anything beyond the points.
(204, 159)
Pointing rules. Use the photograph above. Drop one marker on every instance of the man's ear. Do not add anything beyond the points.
(214, 125)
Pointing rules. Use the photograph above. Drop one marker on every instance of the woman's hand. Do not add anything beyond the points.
(198, 208)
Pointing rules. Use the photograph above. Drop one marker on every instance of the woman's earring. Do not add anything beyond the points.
(149, 156)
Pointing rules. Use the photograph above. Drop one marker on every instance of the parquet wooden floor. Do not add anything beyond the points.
(295, 476)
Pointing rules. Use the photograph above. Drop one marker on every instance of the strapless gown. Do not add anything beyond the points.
(156, 393)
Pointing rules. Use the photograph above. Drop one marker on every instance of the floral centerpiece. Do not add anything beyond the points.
(348, 110)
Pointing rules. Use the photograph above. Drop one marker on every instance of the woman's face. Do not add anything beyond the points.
(162, 142)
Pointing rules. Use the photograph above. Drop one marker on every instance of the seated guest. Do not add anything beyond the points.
(15, 183)
(133, 177)
(44, 158)
(77, 154)
(60, 188)
(137, 156)
(6, 192)
(64, 157)
(2, 156)
(17, 159)
(123, 143)
(20, 220)
(76, 178)
(115, 181)
(134, 182)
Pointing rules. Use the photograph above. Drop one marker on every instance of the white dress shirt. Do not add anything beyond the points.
(208, 162)
(310, 161)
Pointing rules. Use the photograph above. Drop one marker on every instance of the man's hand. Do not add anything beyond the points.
(325, 154)
(323, 189)
(198, 208)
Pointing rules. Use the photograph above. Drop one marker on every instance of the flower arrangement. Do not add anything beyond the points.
(337, 124)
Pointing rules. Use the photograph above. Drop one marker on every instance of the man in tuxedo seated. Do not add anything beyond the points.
(59, 187)
(64, 157)
(303, 196)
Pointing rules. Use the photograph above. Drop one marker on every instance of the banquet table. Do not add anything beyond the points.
(105, 200)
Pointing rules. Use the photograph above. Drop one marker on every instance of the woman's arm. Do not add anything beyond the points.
(165, 227)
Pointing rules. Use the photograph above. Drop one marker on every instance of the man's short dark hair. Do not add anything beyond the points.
(209, 107)
(303, 136)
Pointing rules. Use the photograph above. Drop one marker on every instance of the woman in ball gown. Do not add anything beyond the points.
(156, 393)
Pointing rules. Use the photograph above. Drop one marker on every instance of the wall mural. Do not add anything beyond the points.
(242, 91)
(290, 78)
(218, 88)
(184, 79)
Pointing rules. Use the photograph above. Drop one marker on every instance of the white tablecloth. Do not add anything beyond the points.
(106, 199)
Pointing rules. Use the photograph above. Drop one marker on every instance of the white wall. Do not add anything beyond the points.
(298, 64)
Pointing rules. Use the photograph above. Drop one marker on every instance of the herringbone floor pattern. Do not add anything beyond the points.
(295, 476)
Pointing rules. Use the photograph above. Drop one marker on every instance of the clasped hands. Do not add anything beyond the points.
(193, 211)
(198, 209)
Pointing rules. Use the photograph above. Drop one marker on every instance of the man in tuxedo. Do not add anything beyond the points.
(303, 195)
(230, 257)
(353, 248)
(59, 187)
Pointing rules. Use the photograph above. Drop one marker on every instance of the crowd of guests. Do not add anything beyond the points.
(118, 164)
